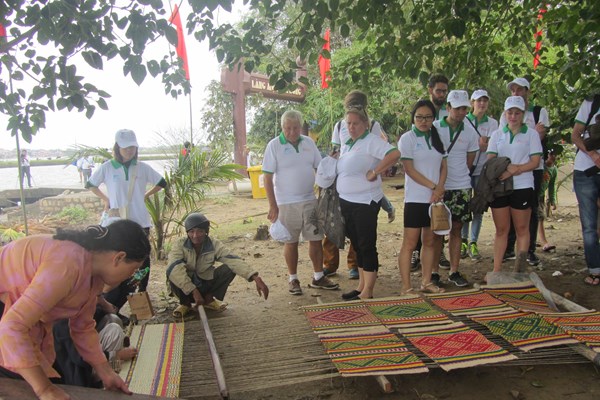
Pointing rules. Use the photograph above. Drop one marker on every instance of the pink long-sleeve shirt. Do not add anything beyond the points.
(44, 280)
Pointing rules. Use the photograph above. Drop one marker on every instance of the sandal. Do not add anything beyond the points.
(548, 248)
(216, 305)
(181, 311)
(432, 288)
(592, 280)
(407, 291)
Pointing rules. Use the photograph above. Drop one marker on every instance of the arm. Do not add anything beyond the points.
(261, 287)
(270, 189)
(390, 159)
(470, 159)
(178, 275)
(436, 187)
(576, 138)
(552, 189)
(150, 192)
(102, 196)
(518, 169)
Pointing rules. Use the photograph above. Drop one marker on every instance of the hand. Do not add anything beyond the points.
(273, 214)
(483, 143)
(505, 175)
(106, 204)
(127, 353)
(540, 129)
(595, 157)
(438, 194)
(198, 298)
(371, 175)
(335, 154)
(513, 169)
(110, 379)
(53, 392)
(261, 287)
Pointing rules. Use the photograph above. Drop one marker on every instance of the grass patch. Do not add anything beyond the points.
(74, 214)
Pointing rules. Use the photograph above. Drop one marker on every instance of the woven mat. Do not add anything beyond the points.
(334, 316)
(583, 326)
(157, 367)
(522, 296)
(525, 330)
(469, 302)
(370, 351)
(406, 311)
(455, 346)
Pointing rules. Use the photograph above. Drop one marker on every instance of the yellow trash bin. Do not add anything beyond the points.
(257, 179)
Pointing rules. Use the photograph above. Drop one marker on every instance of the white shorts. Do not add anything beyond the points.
(296, 218)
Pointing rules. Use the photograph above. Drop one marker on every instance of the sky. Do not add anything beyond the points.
(145, 109)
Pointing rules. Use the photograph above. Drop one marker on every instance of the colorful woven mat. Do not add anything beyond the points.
(525, 330)
(347, 315)
(583, 326)
(469, 302)
(407, 310)
(370, 351)
(522, 296)
(456, 346)
(157, 367)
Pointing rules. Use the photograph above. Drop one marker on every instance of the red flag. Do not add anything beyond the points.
(325, 63)
(538, 43)
(181, 51)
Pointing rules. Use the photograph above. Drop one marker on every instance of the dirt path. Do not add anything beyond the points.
(243, 215)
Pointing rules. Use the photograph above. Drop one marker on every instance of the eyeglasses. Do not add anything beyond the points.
(424, 118)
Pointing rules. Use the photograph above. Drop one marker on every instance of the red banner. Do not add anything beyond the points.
(538, 42)
(181, 51)
(325, 63)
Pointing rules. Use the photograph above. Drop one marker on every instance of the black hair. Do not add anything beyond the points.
(436, 141)
(122, 235)
(117, 153)
(437, 78)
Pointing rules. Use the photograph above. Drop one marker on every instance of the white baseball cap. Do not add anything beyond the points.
(519, 81)
(458, 98)
(326, 172)
(514, 102)
(126, 138)
(479, 94)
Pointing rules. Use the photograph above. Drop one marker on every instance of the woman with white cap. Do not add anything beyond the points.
(126, 180)
(523, 147)
(484, 126)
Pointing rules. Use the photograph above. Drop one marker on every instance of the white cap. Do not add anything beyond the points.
(458, 98)
(479, 94)
(126, 138)
(326, 172)
(519, 81)
(514, 102)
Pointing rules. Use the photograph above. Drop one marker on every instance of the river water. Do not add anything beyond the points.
(56, 176)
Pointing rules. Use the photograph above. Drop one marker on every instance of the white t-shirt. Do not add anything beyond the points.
(582, 160)
(529, 120)
(356, 159)
(467, 142)
(414, 145)
(341, 135)
(485, 127)
(293, 168)
(519, 149)
(113, 175)
(442, 112)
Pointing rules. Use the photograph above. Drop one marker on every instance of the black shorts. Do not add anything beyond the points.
(416, 215)
(520, 199)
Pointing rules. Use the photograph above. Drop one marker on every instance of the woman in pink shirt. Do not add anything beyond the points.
(47, 278)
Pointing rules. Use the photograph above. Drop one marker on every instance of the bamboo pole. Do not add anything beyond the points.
(214, 355)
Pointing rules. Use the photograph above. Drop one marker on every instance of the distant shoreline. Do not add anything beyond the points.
(66, 162)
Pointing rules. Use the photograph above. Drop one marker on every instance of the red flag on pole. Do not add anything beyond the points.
(538, 43)
(175, 19)
(325, 63)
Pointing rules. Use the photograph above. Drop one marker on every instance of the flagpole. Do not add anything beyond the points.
(191, 127)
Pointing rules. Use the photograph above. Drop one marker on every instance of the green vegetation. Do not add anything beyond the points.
(74, 214)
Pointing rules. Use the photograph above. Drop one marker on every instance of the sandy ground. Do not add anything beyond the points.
(577, 381)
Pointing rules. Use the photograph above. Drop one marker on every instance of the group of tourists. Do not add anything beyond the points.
(74, 283)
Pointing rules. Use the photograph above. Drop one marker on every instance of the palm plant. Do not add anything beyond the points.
(188, 181)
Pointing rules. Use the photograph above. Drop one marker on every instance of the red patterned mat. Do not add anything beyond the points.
(583, 326)
(469, 302)
(525, 330)
(522, 295)
(456, 346)
(348, 315)
(406, 311)
(370, 351)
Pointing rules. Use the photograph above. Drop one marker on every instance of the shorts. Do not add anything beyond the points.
(541, 208)
(416, 215)
(519, 199)
(458, 203)
(296, 216)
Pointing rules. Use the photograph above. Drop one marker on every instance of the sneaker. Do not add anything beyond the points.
(509, 255)
(353, 274)
(444, 263)
(435, 278)
(294, 287)
(457, 279)
(474, 251)
(328, 272)
(415, 261)
(464, 250)
(323, 283)
(532, 259)
(350, 295)
(391, 216)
